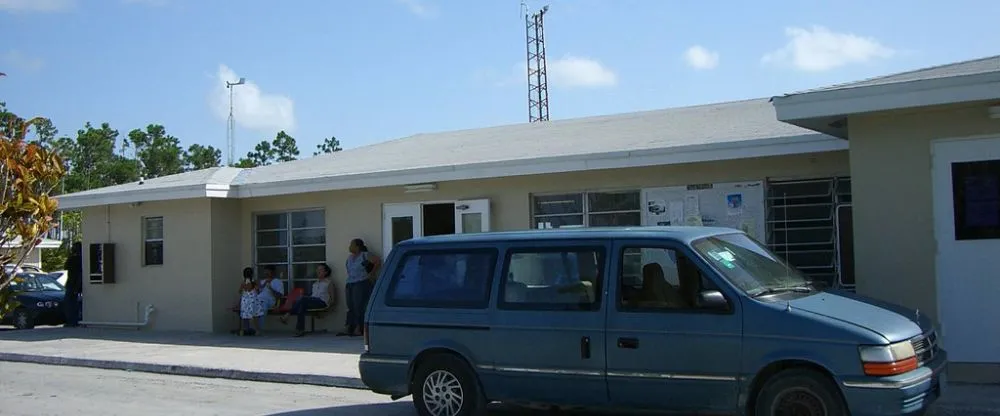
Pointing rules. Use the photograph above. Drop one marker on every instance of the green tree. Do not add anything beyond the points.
(97, 160)
(159, 153)
(282, 149)
(202, 157)
(329, 145)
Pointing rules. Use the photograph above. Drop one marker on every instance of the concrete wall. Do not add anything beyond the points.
(358, 213)
(894, 243)
(180, 289)
(227, 245)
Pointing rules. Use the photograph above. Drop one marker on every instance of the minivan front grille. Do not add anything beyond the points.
(925, 346)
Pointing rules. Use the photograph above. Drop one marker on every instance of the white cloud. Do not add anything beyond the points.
(571, 71)
(21, 62)
(253, 108)
(418, 7)
(699, 57)
(36, 5)
(819, 49)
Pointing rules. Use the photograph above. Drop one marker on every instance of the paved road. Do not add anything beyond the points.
(38, 390)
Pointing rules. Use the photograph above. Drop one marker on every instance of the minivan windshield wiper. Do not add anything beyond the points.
(765, 291)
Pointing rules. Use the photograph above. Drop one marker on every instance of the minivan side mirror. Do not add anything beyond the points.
(712, 299)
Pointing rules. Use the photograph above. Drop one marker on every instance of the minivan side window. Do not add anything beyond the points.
(458, 279)
(659, 279)
(553, 279)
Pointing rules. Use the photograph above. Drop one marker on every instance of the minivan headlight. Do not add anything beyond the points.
(888, 360)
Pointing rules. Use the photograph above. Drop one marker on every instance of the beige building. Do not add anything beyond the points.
(781, 171)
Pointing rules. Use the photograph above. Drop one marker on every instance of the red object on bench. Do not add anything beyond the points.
(290, 300)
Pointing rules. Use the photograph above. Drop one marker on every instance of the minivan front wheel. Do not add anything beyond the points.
(444, 385)
(799, 392)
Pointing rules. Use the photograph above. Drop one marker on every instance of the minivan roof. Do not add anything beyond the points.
(684, 234)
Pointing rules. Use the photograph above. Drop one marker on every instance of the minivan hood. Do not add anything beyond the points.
(894, 322)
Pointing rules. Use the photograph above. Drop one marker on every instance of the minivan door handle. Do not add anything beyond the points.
(585, 348)
(629, 343)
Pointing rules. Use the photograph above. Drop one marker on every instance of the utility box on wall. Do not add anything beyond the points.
(102, 263)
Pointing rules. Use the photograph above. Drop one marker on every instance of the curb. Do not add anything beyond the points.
(191, 371)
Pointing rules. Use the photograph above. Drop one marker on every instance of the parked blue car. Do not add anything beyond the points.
(37, 297)
(686, 319)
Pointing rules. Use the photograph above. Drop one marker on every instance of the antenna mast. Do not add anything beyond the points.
(538, 79)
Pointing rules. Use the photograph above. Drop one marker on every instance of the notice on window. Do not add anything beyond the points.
(982, 201)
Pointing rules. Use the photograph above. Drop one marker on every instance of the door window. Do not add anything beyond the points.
(659, 279)
(553, 279)
(976, 199)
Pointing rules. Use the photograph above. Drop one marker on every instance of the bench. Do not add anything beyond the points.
(285, 307)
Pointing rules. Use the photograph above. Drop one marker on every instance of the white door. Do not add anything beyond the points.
(400, 222)
(968, 281)
(472, 216)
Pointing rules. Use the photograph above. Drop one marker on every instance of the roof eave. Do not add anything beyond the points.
(800, 109)
(71, 201)
(777, 146)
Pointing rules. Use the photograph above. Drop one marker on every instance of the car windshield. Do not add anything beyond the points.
(750, 266)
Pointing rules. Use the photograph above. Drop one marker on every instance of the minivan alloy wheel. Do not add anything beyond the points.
(443, 394)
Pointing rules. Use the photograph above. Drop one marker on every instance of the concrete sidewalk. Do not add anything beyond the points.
(319, 359)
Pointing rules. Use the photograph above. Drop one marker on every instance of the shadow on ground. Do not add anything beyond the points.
(405, 408)
(318, 342)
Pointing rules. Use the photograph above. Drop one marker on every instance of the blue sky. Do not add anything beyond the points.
(373, 70)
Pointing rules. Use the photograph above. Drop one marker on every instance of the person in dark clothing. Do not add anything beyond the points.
(74, 284)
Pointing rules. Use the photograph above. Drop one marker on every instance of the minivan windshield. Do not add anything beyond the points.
(750, 266)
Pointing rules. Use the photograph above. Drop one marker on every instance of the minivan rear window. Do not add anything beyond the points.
(443, 279)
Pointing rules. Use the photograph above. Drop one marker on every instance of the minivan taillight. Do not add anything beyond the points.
(367, 345)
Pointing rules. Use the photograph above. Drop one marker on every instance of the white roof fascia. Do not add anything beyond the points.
(920, 93)
(138, 195)
(810, 143)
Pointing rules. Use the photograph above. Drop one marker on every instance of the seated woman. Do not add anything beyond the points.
(320, 297)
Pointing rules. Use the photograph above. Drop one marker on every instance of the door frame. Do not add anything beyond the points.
(944, 234)
(418, 222)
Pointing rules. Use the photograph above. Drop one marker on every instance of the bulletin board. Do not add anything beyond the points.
(738, 205)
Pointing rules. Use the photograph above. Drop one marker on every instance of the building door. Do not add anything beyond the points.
(400, 222)
(966, 190)
(472, 216)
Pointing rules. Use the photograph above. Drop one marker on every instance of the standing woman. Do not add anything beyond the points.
(362, 269)
(74, 284)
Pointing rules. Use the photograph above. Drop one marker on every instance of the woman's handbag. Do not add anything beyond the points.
(369, 266)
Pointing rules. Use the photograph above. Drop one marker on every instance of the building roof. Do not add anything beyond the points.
(44, 243)
(826, 109)
(970, 67)
(720, 131)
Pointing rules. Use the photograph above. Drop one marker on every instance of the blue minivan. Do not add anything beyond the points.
(686, 319)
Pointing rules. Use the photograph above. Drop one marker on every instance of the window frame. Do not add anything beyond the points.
(959, 171)
(678, 248)
(585, 202)
(146, 240)
(400, 263)
(289, 265)
(597, 306)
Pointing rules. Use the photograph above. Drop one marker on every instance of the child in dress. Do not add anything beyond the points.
(249, 304)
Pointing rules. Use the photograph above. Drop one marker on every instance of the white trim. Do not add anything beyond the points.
(920, 93)
(810, 143)
(745, 149)
(71, 201)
